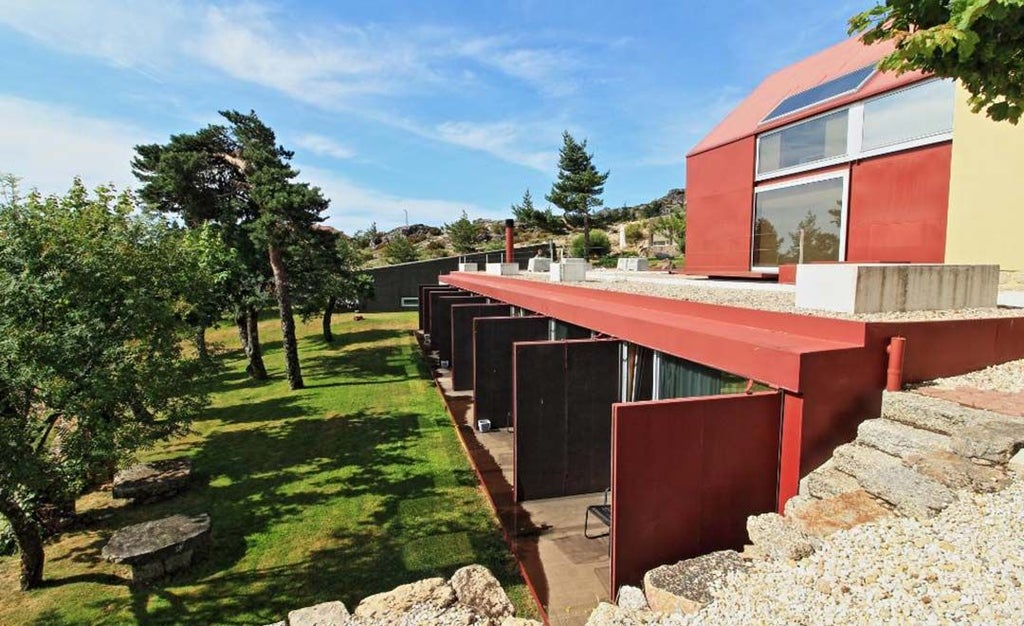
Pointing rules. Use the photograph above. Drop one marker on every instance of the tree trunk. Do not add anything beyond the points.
(328, 312)
(243, 331)
(284, 307)
(256, 369)
(204, 353)
(586, 235)
(30, 542)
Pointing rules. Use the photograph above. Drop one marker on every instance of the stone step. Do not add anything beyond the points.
(827, 481)
(821, 518)
(687, 586)
(777, 537)
(899, 439)
(956, 472)
(995, 441)
(934, 414)
(886, 477)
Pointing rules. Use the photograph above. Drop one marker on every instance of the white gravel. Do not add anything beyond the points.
(762, 296)
(966, 565)
(1008, 377)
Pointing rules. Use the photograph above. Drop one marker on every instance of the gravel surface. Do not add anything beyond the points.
(1008, 377)
(966, 565)
(761, 298)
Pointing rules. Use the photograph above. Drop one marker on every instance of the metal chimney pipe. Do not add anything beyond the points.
(510, 255)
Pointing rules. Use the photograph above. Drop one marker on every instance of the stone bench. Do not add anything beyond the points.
(153, 549)
(149, 482)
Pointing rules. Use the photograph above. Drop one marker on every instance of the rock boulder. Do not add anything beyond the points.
(149, 482)
(160, 547)
(476, 587)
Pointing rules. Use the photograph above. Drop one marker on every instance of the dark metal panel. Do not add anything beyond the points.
(686, 474)
(441, 322)
(424, 304)
(430, 301)
(541, 428)
(492, 363)
(462, 339)
(592, 387)
(564, 391)
(434, 307)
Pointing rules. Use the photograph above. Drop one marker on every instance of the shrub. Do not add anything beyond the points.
(599, 245)
(635, 233)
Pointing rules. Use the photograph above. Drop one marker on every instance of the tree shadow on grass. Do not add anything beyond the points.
(360, 366)
(267, 479)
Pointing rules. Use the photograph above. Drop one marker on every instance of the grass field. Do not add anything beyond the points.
(344, 489)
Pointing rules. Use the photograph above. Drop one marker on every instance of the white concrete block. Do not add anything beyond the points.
(539, 264)
(503, 269)
(884, 287)
(469, 267)
(632, 264)
(569, 270)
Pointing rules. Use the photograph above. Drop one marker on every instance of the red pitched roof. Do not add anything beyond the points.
(822, 67)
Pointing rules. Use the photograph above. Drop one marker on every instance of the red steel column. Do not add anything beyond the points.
(510, 256)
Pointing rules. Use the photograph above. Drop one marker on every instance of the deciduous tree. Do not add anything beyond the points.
(978, 42)
(91, 359)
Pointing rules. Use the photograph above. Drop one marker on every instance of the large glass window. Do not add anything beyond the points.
(801, 223)
(814, 140)
(678, 378)
(910, 114)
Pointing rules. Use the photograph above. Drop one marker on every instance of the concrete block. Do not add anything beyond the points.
(469, 267)
(503, 269)
(539, 264)
(883, 287)
(632, 264)
(569, 270)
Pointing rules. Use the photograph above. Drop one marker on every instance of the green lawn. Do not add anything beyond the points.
(347, 488)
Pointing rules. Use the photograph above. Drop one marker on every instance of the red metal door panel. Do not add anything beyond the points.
(686, 473)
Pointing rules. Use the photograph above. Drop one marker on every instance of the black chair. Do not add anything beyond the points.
(602, 512)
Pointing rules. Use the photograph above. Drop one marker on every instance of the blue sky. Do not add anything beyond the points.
(431, 107)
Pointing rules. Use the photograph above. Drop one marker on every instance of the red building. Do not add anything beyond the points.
(827, 160)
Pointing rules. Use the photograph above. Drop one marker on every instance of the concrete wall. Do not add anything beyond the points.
(391, 283)
(986, 193)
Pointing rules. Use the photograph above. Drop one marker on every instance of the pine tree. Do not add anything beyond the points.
(579, 185)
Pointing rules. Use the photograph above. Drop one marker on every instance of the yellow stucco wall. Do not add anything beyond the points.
(986, 190)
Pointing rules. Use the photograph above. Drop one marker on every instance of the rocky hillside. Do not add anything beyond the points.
(431, 241)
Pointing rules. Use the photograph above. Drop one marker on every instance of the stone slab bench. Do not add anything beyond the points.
(884, 287)
(153, 549)
(149, 482)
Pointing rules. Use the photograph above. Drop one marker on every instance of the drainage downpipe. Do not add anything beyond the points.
(510, 256)
(894, 372)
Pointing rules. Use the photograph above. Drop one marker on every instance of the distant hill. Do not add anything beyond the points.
(432, 242)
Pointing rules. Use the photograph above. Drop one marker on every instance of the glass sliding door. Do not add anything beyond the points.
(801, 221)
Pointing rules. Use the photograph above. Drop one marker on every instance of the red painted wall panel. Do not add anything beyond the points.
(898, 206)
(719, 193)
(683, 482)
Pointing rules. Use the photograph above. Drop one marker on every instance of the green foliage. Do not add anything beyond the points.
(325, 269)
(579, 185)
(463, 234)
(528, 216)
(672, 226)
(93, 302)
(978, 42)
(399, 250)
(635, 233)
(336, 495)
(599, 245)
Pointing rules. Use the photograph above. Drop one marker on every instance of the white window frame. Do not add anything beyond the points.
(854, 139)
(409, 302)
(796, 182)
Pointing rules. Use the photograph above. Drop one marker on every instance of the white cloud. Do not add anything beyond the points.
(354, 207)
(504, 140)
(47, 146)
(335, 67)
(324, 146)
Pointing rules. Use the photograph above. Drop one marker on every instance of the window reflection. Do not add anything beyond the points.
(798, 224)
(816, 139)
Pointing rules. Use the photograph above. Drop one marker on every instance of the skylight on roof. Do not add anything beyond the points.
(847, 83)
